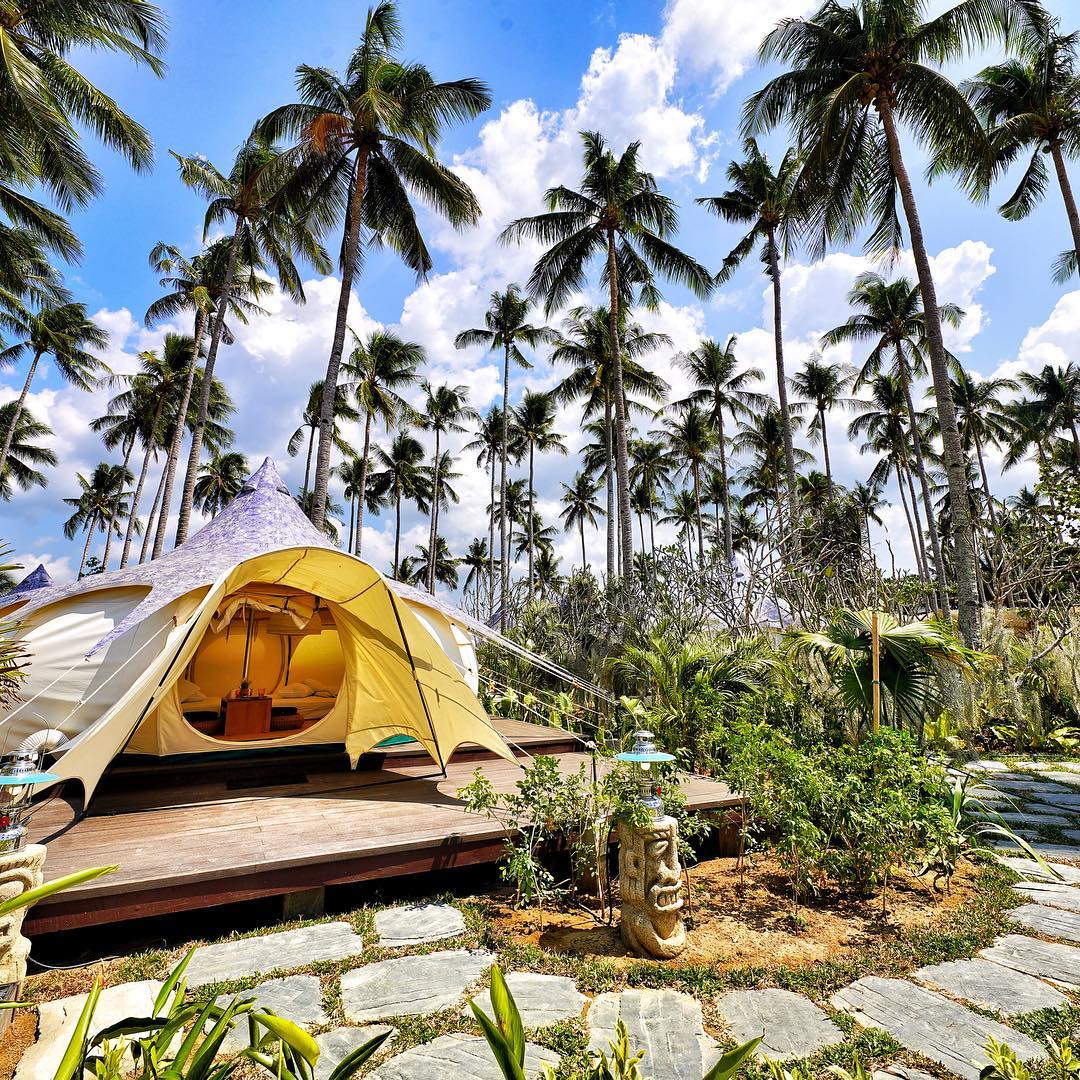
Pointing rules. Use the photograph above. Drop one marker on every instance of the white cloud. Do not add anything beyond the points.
(60, 568)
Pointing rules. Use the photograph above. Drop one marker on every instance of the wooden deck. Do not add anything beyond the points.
(195, 835)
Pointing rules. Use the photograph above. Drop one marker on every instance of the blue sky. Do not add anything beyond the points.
(674, 75)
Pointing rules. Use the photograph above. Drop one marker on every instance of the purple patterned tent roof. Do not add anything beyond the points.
(36, 579)
(263, 517)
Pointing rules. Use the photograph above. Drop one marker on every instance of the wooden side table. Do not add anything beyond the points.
(247, 716)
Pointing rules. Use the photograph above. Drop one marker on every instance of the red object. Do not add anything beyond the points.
(5, 821)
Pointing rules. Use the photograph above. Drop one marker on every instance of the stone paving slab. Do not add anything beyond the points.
(1052, 894)
(1069, 852)
(1069, 802)
(338, 1043)
(541, 999)
(57, 1020)
(296, 997)
(985, 766)
(272, 952)
(793, 1026)
(930, 1024)
(452, 1057)
(1051, 921)
(992, 986)
(1036, 818)
(1066, 778)
(411, 985)
(900, 1072)
(1045, 959)
(1030, 785)
(1060, 873)
(666, 1024)
(415, 924)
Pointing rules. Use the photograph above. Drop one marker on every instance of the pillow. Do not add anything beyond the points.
(317, 686)
(294, 690)
(189, 691)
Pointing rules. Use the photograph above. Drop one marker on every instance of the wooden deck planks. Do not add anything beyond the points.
(190, 846)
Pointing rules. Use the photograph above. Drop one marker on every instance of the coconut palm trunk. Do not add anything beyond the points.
(985, 480)
(133, 517)
(963, 548)
(915, 547)
(435, 523)
(362, 493)
(825, 450)
(143, 551)
(307, 463)
(609, 485)
(916, 515)
(195, 454)
(729, 546)
(9, 435)
(924, 483)
(695, 472)
(531, 523)
(173, 457)
(86, 547)
(109, 534)
(781, 381)
(504, 450)
(397, 533)
(622, 457)
(581, 530)
(333, 367)
(1066, 193)
(491, 545)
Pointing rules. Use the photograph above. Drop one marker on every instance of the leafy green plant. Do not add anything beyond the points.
(50, 888)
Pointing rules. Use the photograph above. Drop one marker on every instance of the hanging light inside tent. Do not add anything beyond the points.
(18, 777)
(643, 756)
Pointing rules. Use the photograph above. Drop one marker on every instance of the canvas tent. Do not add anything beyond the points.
(116, 659)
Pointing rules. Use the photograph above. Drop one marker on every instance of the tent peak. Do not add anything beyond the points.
(39, 578)
(264, 477)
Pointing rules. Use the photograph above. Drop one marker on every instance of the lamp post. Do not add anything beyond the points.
(644, 756)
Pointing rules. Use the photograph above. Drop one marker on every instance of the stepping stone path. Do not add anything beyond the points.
(541, 999)
(900, 1072)
(452, 1057)
(337, 1044)
(992, 986)
(298, 997)
(1049, 893)
(57, 1020)
(793, 1027)
(1035, 817)
(1060, 873)
(1053, 922)
(272, 952)
(1044, 959)
(666, 1024)
(416, 924)
(930, 1024)
(411, 985)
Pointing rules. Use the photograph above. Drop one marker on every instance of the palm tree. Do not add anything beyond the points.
(547, 572)
(195, 286)
(535, 419)
(25, 454)
(858, 71)
(580, 506)
(47, 102)
(477, 559)
(348, 472)
(1054, 400)
(690, 440)
(650, 469)
(262, 232)
(823, 386)
(620, 216)
(893, 319)
(983, 419)
(344, 413)
(364, 142)
(400, 475)
(330, 510)
(441, 569)
(535, 538)
(684, 512)
(445, 410)
(1029, 104)
(719, 388)
(220, 481)
(505, 327)
(67, 334)
(379, 367)
(101, 504)
(764, 198)
(585, 345)
(866, 498)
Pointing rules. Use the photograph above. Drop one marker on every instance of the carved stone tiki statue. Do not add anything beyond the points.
(650, 886)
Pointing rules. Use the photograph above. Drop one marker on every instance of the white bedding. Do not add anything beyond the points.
(314, 707)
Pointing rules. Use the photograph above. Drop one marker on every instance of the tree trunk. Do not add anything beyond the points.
(352, 522)
(581, 529)
(362, 494)
(195, 453)
(924, 484)
(329, 397)
(963, 549)
(397, 534)
(504, 450)
(917, 518)
(609, 484)
(825, 450)
(112, 523)
(9, 435)
(433, 533)
(781, 387)
(129, 532)
(491, 544)
(1066, 194)
(920, 569)
(152, 519)
(982, 473)
(729, 547)
(173, 458)
(622, 458)
(641, 530)
(307, 464)
(86, 546)
(696, 474)
(532, 537)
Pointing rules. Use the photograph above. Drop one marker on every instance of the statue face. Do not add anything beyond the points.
(651, 877)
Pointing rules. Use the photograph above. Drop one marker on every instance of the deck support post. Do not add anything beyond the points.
(303, 904)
